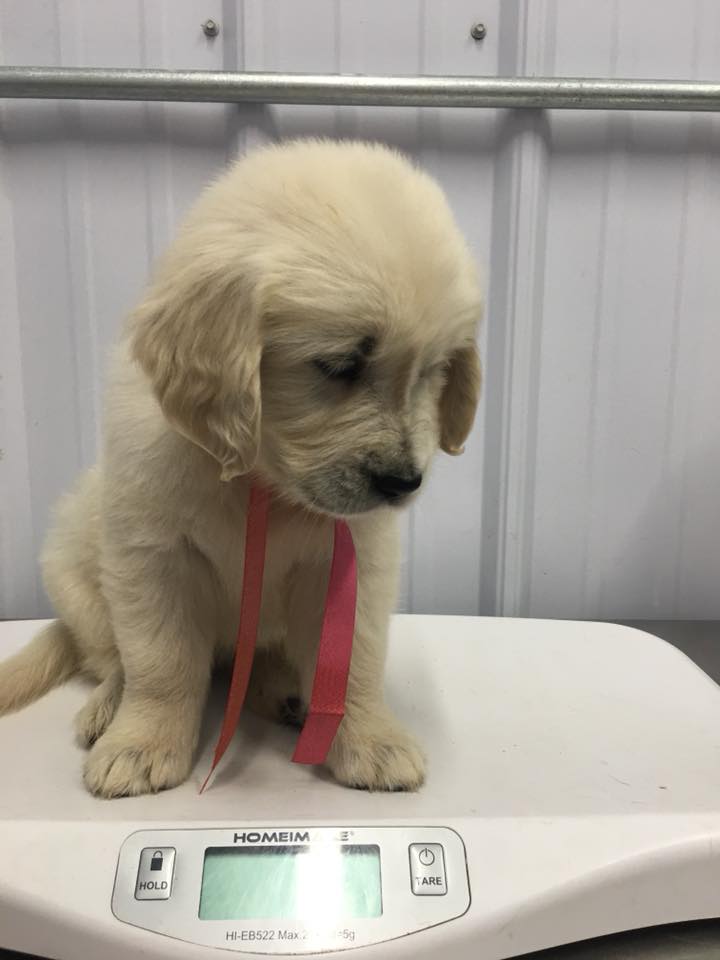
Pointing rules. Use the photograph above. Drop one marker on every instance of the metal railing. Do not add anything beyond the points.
(69, 83)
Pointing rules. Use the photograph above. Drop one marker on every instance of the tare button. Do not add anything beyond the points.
(155, 873)
(427, 870)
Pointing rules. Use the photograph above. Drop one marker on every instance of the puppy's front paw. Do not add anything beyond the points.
(119, 767)
(375, 753)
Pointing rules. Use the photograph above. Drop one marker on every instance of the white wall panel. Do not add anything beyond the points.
(590, 483)
(621, 433)
(91, 194)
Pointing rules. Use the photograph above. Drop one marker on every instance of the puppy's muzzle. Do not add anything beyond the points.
(393, 487)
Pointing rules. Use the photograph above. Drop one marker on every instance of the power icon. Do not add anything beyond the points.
(426, 857)
(427, 870)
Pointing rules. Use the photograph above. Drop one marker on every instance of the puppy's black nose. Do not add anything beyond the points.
(393, 487)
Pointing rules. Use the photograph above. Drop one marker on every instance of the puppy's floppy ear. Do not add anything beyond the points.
(459, 399)
(197, 337)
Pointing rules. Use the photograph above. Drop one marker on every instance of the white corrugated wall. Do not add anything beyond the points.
(591, 486)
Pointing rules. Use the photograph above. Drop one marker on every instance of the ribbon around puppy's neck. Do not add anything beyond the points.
(327, 701)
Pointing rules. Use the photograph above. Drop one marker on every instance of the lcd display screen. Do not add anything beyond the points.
(318, 882)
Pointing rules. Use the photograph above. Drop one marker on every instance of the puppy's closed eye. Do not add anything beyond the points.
(346, 368)
(343, 369)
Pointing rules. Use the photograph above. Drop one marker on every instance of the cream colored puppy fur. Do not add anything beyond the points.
(313, 328)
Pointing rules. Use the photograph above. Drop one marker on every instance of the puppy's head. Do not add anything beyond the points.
(315, 322)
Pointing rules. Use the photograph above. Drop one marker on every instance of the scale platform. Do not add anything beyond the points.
(573, 791)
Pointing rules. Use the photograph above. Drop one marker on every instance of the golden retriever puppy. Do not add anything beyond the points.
(313, 329)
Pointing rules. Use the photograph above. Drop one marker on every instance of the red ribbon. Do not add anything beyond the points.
(253, 569)
(327, 702)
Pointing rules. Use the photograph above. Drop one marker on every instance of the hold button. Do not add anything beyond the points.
(155, 873)
(427, 870)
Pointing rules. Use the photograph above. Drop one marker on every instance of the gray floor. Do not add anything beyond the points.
(699, 639)
(696, 941)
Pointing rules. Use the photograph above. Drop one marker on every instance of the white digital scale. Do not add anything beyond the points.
(573, 791)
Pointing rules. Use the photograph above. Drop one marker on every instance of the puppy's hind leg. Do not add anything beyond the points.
(95, 717)
(43, 664)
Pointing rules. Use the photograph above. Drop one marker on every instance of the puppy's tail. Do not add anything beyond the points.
(48, 660)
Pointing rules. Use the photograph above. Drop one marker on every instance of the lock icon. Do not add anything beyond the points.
(156, 861)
